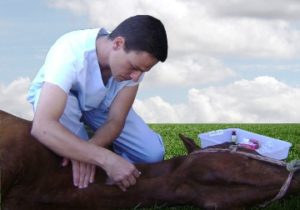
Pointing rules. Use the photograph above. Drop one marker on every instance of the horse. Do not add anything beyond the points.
(220, 177)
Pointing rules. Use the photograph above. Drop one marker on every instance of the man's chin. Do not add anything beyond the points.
(121, 79)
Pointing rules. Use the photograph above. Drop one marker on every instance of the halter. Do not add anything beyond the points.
(292, 166)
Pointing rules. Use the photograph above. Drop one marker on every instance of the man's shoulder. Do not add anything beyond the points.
(82, 34)
(77, 43)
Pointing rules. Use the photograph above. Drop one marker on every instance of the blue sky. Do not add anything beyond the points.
(229, 61)
(28, 29)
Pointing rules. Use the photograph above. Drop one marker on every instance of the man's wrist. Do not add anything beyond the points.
(103, 160)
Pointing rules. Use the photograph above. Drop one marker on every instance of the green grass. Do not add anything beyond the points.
(174, 147)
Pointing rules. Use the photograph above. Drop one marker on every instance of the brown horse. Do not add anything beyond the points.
(32, 178)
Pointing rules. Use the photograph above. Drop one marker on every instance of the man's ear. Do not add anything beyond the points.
(118, 43)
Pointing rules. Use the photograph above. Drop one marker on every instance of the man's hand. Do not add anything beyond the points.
(121, 172)
(83, 173)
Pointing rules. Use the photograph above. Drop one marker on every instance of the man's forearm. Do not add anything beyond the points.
(63, 142)
(107, 133)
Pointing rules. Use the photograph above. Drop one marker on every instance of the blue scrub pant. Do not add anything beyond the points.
(136, 143)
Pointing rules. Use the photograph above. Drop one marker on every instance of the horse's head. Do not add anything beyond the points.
(221, 177)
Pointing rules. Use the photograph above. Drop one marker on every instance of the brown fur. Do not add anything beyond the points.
(32, 178)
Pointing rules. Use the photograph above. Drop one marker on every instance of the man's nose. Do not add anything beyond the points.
(135, 75)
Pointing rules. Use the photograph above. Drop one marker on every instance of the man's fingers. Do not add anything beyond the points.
(126, 183)
(87, 175)
(93, 172)
(136, 173)
(82, 173)
(75, 168)
(121, 186)
(65, 162)
(131, 179)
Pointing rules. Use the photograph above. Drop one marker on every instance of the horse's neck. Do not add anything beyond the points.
(153, 187)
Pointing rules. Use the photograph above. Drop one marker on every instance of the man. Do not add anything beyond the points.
(91, 77)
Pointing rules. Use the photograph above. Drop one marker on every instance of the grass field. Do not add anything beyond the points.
(174, 147)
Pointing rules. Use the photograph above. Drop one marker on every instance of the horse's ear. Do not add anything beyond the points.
(189, 143)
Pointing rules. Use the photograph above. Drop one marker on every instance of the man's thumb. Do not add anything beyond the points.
(65, 162)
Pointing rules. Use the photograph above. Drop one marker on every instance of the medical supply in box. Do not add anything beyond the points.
(264, 145)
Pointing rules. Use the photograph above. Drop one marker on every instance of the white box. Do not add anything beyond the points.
(269, 147)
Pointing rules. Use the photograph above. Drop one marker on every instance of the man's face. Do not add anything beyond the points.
(130, 65)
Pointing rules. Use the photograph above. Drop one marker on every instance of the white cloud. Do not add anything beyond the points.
(205, 38)
(155, 109)
(287, 9)
(188, 71)
(110, 13)
(13, 98)
(263, 99)
(210, 27)
(201, 35)
(73, 5)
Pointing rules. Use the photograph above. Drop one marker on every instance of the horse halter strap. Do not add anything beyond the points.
(292, 167)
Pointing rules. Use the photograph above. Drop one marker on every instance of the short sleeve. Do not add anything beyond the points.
(59, 66)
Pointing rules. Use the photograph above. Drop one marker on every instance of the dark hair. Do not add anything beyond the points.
(143, 33)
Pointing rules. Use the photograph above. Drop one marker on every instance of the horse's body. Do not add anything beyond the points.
(32, 178)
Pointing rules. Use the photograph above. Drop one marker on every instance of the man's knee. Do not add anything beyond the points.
(141, 151)
(154, 152)
(154, 155)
